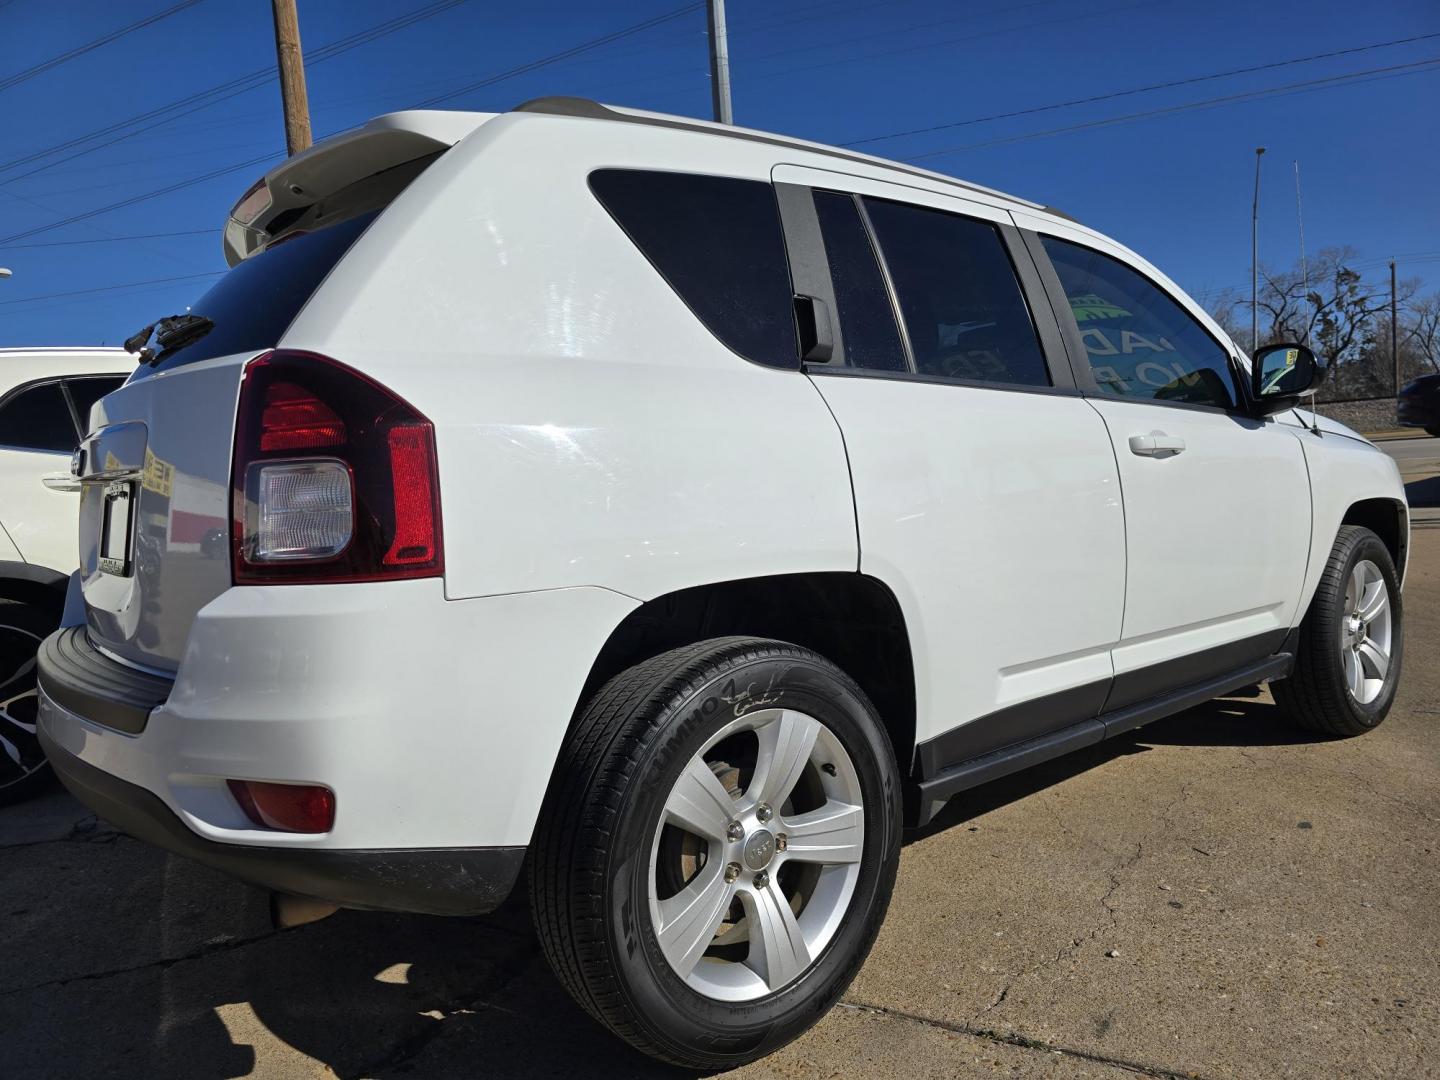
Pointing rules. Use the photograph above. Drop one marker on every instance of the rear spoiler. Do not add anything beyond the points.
(371, 163)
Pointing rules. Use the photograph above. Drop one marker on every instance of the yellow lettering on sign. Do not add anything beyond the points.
(159, 475)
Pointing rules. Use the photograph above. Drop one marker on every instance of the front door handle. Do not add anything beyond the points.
(60, 482)
(1156, 444)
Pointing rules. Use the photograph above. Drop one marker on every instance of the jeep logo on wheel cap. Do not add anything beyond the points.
(759, 850)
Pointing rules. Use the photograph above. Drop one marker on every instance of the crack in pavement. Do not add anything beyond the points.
(167, 962)
(89, 830)
(1022, 1041)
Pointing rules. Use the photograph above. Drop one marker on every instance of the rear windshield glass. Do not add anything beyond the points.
(257, 300)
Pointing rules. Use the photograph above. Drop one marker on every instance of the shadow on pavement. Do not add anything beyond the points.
(127, 962)
(1424, 493)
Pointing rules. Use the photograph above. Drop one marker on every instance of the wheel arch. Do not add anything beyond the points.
(28, 583)
(849, 618)
(1387, 519)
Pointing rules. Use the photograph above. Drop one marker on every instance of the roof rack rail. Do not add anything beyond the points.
(594, 110)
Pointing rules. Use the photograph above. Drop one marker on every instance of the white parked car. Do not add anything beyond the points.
(45, 396)
(674, 511)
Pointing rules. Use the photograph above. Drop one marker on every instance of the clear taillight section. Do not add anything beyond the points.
(334, 477)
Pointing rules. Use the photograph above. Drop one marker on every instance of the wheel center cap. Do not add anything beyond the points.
(759, 849)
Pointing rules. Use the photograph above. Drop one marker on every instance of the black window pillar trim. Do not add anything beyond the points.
(809, 264)
(889, 280)
(1053, 346)
(1069, 330)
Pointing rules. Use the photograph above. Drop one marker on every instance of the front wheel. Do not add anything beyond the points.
(1347, 664)
(717, 849)
(23, 768)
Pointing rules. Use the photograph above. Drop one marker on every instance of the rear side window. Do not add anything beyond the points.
(867, 321)
(38, 418)
(1140, 342)
(961, 301)
(255, 302)
(717, 241)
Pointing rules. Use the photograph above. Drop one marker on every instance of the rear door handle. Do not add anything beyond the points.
(1156, 444)
(60, 482)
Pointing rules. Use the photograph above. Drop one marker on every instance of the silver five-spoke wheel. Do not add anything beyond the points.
(1365, 632)
(755, 858)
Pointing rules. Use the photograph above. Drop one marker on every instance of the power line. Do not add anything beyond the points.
(80, 50)
(1142, 89)
(203, 99)
(112, 239)
(511, 73)
(1251, 95)
(111, 288)
(576, 50)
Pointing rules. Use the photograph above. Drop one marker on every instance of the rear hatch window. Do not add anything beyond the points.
(253, 305)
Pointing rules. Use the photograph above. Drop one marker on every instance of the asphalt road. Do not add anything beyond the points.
(1217, 895)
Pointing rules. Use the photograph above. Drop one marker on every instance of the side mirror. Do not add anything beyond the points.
(1279, 374)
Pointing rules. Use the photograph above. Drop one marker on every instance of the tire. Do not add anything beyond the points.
(23, 768)
(1334, 688)
(608, 864)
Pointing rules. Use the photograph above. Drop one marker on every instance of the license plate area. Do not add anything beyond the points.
(117, 529)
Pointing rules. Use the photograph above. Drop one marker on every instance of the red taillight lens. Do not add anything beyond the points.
(334, 478)
(295, 419)
(306, 808)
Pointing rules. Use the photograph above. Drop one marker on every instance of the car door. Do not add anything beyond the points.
(1217, 503)
(39, 429)
(986, 492)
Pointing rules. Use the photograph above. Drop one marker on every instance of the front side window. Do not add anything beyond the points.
(1140, 342)
(959, 296)
(38, 419)
(717, 241)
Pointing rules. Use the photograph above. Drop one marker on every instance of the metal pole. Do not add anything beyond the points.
(293, 97)
(1394, 330)
(1304, 268)
(1255, 258)
(719, 63)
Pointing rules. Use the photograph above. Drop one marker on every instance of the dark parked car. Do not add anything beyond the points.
(1418, 404)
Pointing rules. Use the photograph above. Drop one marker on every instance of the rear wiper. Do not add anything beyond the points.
(171, 332)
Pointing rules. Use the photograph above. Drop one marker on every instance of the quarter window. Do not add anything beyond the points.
(717, 241)
(85, 392)
(38, 419)
(962, 305)
(1140, 342)
(867, 320)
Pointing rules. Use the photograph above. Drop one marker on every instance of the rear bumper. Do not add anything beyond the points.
(439, 881)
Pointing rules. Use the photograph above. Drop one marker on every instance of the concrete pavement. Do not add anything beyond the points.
(1216, 896)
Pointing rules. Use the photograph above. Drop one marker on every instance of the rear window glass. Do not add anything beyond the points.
(257, 300)
(717, 241)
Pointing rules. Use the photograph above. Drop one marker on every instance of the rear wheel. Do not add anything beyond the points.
(717, 849)
(23, 768)
(1347, 663)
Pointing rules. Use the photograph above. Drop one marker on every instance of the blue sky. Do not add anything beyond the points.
(1176, 186)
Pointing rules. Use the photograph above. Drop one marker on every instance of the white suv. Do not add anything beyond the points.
(673, 511)
(45, 395)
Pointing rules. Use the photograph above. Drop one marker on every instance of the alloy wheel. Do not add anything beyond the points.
(1365, 632)
(20, 753)
(756, 855)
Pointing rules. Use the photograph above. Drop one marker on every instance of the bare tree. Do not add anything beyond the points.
(1421, 331)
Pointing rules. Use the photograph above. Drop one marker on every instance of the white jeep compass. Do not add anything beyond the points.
(670, 512)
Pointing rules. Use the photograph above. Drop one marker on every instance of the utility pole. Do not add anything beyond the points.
(719, 63)
(1255, 258)
(1394, 330)
(292, 76)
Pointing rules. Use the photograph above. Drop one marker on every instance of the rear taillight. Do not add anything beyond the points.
(334, 477)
